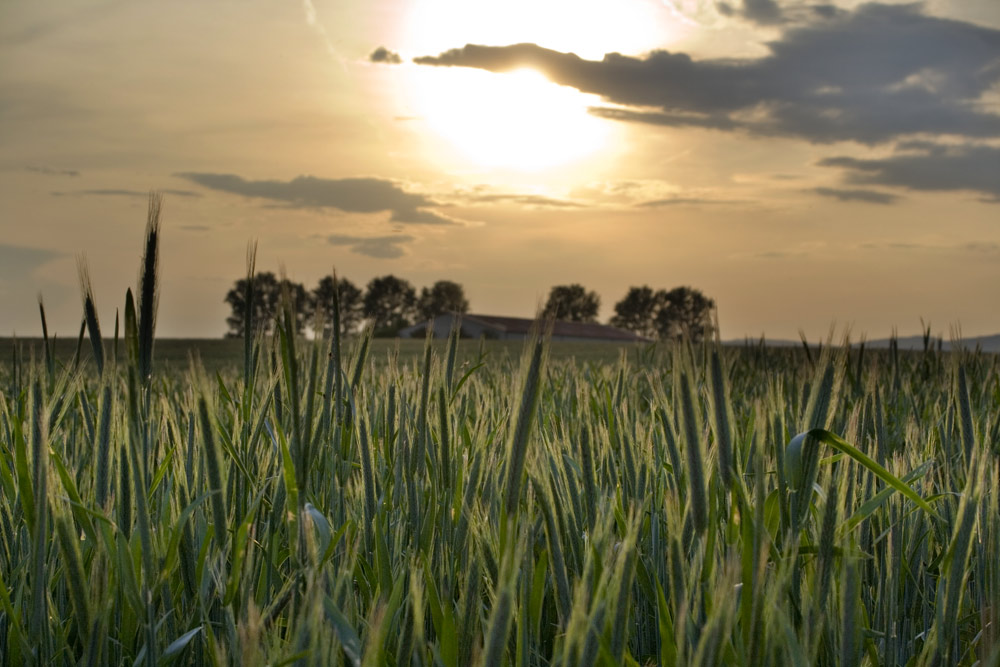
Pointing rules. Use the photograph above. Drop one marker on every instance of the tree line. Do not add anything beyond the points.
(389, 303)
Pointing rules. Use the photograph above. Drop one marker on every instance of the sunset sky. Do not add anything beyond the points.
(804, 164)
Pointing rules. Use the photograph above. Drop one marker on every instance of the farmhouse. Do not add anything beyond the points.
(519, 328)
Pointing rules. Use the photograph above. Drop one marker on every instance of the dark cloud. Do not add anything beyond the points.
(49, 171)
(765, 12)
(872, 75)
(384, 55)
(762, 12)
(715, 121)
(380, 247)
(857, 194)
(928, 167)
(350, 195)
(115, 192)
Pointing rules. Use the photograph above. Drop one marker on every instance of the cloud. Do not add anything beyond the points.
(19, 262)
(380, 247)
(50, 171)
(685, 201)
(986, 247)
(762, 12)
(115, 192)
(384, 55)
(775, 254)
(971, 247)
(481, 195)
(350, 195)
(871, 75)
(857, 194)
(928, 167)
(714, 121)
(632, 192)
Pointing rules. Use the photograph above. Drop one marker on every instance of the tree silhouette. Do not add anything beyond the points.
(573, 303)
(685, 313)
(265, 304)
(268, 293)
(638, 310)
(443, 297)
(350, 306)
(390, 304)
(300, 300)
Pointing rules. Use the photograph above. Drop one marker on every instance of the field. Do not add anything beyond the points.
(272, 501)
(451, 510)
(226, 354)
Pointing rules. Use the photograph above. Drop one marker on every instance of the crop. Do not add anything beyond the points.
(318, 506)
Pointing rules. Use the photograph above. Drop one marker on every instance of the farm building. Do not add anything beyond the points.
(519, 328)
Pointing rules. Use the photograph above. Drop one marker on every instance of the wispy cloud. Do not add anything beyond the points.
(486, 195)
(379, 247)
(687, 201)
(50, 171)
(350, 195)
(974, 248)
(857, 195)
(637, 192)
(117, 192)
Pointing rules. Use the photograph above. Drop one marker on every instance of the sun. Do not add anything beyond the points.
(516, 120)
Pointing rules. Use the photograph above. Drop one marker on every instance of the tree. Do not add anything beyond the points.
(350, 305)
(299, 299)
(685, 313)
(268, 292)
(638, 310)
(266, 295)
(443, 297)
(572, 303)
(390, 303)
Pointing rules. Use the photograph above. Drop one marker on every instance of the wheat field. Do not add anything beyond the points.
(316, 503)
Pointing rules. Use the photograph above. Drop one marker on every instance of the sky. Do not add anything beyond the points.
(805, 164)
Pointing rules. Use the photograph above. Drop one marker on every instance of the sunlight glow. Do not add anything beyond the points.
(517, 120)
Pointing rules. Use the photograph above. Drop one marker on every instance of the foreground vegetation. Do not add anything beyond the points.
(311, 506)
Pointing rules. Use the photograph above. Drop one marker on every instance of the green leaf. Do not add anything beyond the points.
(349, 639)
(876, 501)
(176, 647)
(839, 443)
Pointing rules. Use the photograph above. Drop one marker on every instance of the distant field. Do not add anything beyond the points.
(172, 354)
(217, 354)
